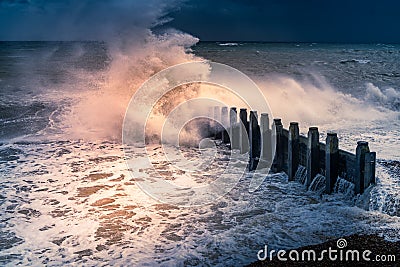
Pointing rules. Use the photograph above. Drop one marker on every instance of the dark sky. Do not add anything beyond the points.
(357, 21)
(291, 20)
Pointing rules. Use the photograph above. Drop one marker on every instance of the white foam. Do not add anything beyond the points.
(230, 231)
(228, 44)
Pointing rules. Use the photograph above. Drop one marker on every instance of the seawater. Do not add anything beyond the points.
(68, 197)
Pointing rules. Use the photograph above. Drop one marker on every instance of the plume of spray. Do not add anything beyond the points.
(316, 102)
(103, 110)
(135, 53)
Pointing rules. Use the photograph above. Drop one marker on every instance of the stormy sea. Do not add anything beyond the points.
(67, 196)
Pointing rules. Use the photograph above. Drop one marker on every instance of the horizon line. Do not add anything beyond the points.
(225, 41)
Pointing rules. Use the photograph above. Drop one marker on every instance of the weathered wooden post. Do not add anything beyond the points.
(369, 169)
(361, 150)
(266, 146)
(225, 124)
(254, 140)
(217, 119)
(277, 164)
(312, 154)
(244, 130)
(331, 161)
(210, 125)
(234, 129)
(293, 150)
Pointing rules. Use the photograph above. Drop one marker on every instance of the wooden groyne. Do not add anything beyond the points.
(287, 150)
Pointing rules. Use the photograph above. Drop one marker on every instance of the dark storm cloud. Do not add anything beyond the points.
(291, 20)
(247, 20)
(79, 19)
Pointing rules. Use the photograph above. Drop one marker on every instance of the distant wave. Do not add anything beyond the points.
(361, 61)
(388, 97)
(228, 44)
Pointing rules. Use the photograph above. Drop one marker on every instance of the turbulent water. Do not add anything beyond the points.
(66, 193)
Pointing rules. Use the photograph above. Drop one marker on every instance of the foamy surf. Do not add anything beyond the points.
(76, 202)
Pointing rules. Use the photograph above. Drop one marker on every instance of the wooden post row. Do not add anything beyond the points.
(249, 136)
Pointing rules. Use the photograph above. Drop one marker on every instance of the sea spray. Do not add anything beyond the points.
(318, 184)
(301, 174)
(344, 187)
(384, 197)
